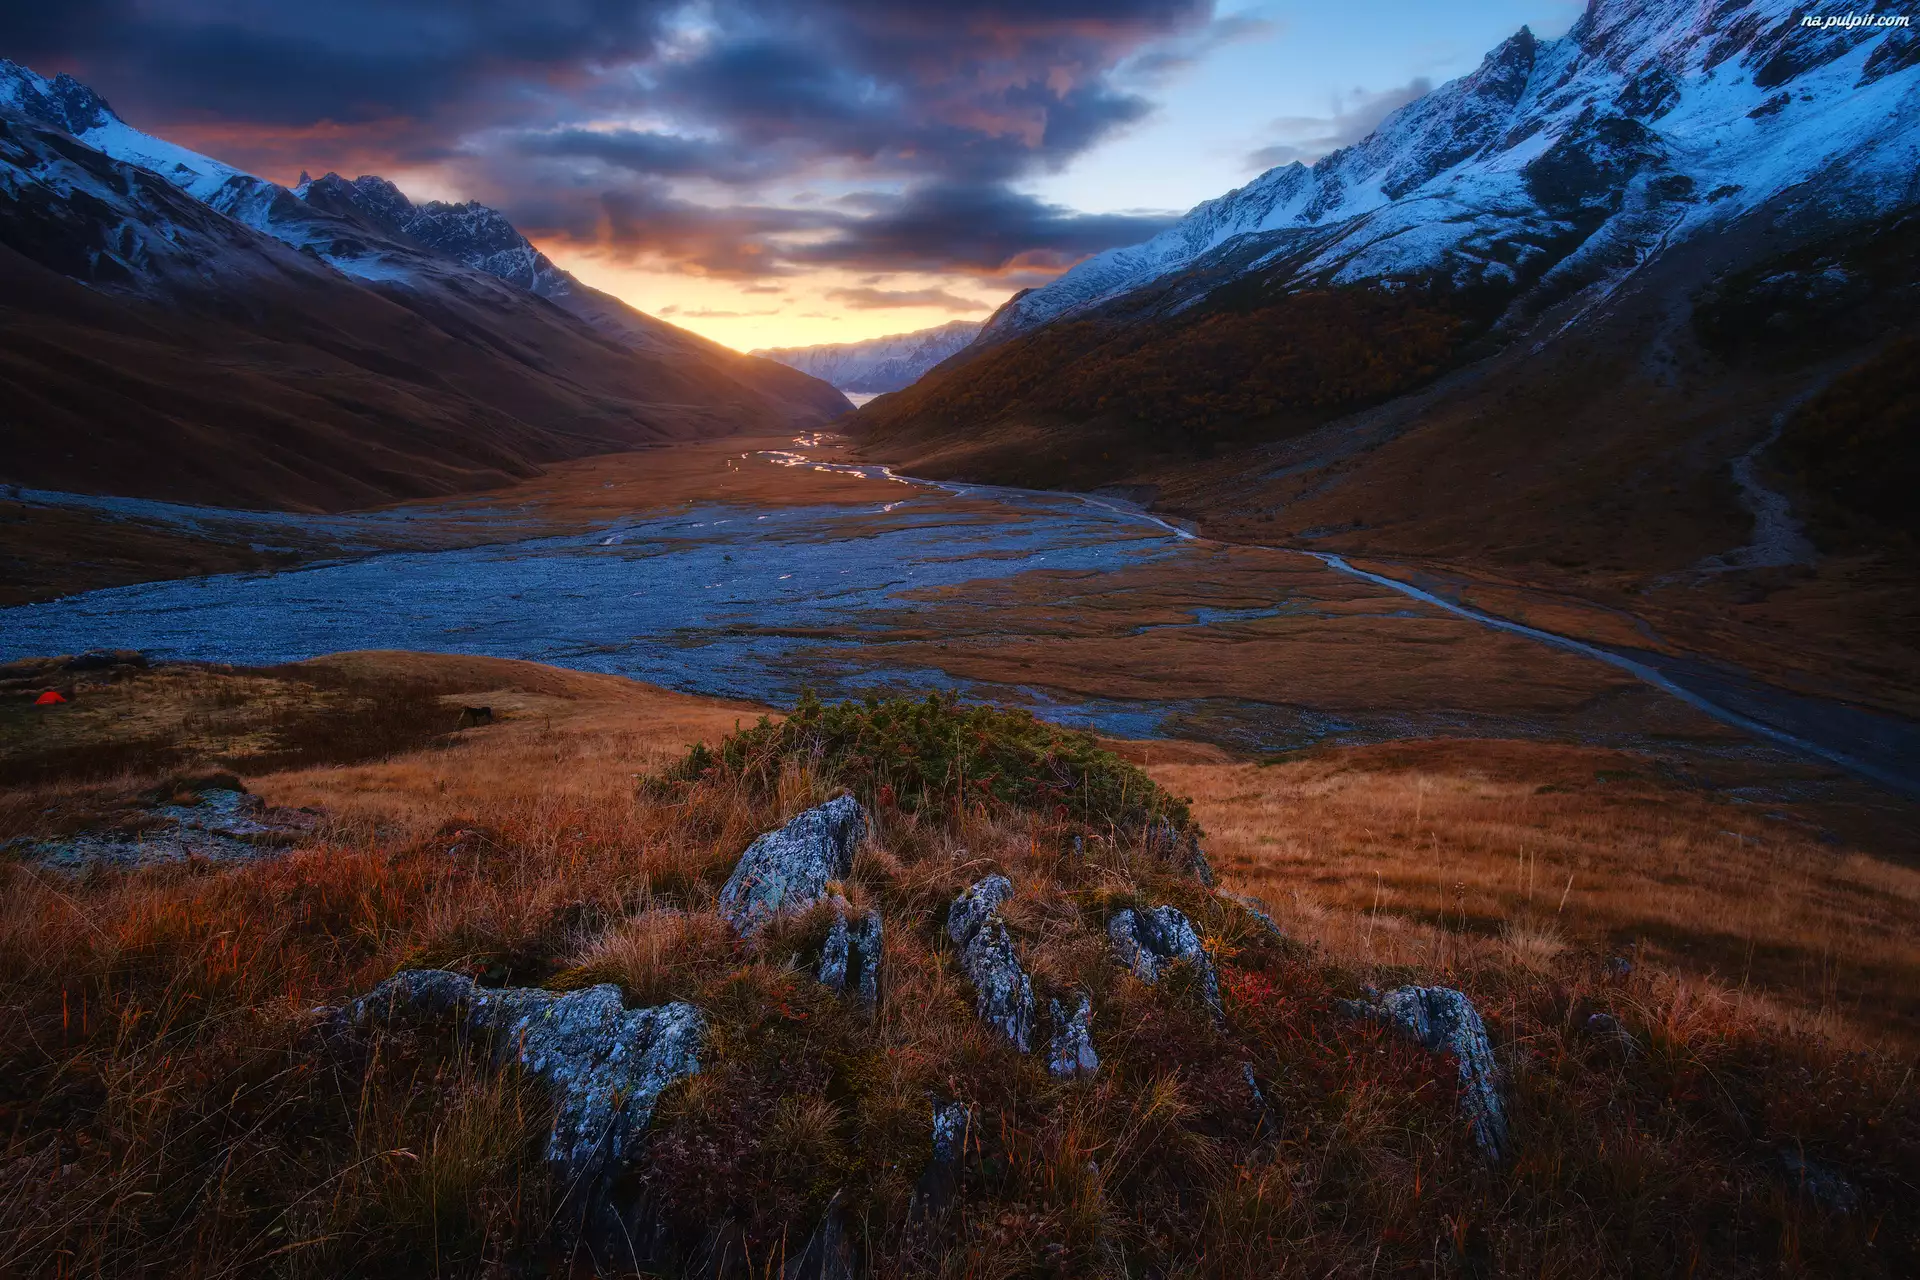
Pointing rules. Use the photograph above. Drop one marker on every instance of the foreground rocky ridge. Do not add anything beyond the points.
(521, 979)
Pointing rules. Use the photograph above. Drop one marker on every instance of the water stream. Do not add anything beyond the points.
(761, 603)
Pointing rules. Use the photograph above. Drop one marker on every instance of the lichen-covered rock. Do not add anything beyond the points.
(1002, 992)
(789, 869)
(971, 909)
(1269, 1122)
(607, 1065)
(1444, 1021)
(1070, 1052)
(1258, 910)
(851, 957)
(941, 1178)
(867, 942)
(1147, 942)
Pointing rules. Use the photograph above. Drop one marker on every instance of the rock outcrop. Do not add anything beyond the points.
(1148, 942)
(1182, 849)
(1444, 1021)
(1070, 1052)
(1002, 992)
(789, 869)
(850, 961)
(607, 1065)
(941, 1178)
(214, 818)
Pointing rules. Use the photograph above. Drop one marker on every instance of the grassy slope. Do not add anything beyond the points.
(166, 1109)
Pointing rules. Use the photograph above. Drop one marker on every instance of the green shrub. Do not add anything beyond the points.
(934, 757)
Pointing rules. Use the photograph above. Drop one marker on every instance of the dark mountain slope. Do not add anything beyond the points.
(202, 335)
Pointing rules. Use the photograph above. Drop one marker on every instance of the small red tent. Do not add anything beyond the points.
(48, 698)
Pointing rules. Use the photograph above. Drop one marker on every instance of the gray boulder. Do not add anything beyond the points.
(851, 957)
(1148, 942)
(971, 909)
(789, 869)
(1070, 1053)
(1443, 1020)
(1002, 992)
(606, 1065)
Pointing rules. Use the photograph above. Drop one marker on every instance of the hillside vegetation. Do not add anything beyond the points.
(169, 1107)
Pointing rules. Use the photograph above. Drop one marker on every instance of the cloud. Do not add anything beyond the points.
(886, 299)
(709, 313)
(685, 134)
(987, 230)
(1354, 115)
(1169, 57)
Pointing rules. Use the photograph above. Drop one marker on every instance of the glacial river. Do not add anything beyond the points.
(759, 604)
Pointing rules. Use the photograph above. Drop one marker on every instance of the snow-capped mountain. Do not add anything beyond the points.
(878, 364)
(1648, 123)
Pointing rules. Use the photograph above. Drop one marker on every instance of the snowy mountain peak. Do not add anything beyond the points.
(878, 365)
(470, 232)
(62, 102)
(1648, 122)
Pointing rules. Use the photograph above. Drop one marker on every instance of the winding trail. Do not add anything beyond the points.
(1879, 748)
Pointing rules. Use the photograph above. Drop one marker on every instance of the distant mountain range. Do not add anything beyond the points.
(178, 328)
(878, 364)
(1538, 315)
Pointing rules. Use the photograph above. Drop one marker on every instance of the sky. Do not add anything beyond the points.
(779, 173)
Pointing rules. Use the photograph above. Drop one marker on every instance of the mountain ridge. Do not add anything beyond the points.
(878, 365)
(210, 336)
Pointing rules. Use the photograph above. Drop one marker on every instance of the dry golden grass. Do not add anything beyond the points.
(166, 1108)
(1444, 855)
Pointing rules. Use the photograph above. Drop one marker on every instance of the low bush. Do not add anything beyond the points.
(935, 758)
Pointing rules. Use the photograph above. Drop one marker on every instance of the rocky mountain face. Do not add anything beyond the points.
(879, 365)
(206, 335)
(1648, 124)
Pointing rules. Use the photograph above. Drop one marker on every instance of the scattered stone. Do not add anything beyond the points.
(1147, 942)
(851, 957)
(1070, 1053)
(971, 909)
(217, 820)
(1608, 1027)
(1822, 1185)
(1443, 1020)
(941, 1178)
(1619, 966)
(1181, 848)
(789, 869)
(1258, 910)
(607, 1065)
(1002, 993)
(829, 1253)
(1269, 1121)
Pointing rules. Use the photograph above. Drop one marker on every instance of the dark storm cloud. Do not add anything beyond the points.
(983, 229)
(538, 106)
